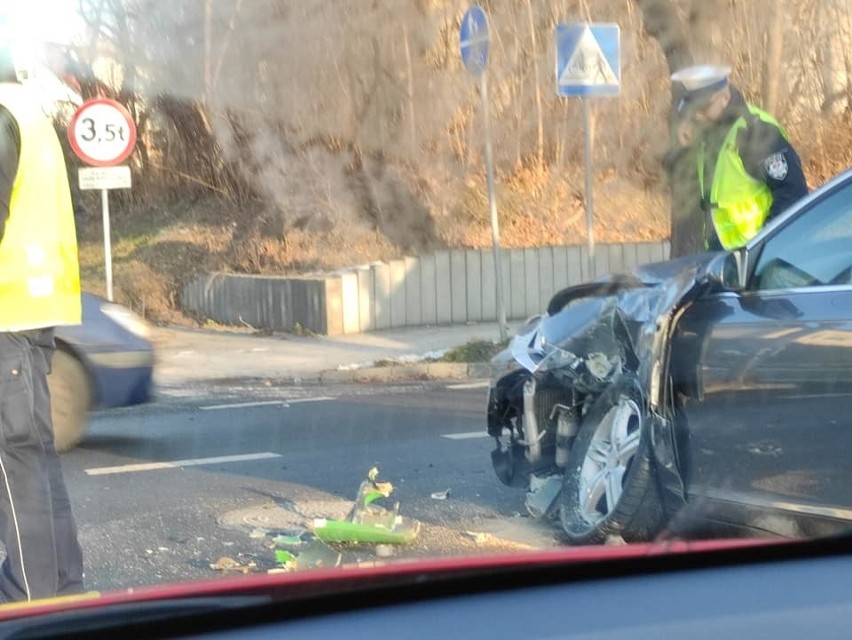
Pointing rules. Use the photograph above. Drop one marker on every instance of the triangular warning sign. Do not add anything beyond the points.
(587, 65)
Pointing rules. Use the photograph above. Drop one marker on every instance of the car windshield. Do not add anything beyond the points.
(315, 285)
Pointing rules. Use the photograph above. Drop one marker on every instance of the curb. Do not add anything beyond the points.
(409, 372)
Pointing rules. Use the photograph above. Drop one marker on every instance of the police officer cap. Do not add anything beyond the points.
(700, 83)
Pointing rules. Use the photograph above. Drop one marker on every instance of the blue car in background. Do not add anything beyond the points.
(107, 361)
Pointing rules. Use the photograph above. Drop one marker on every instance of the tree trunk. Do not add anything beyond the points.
(663, 23)
(774, 51)
(537, 85)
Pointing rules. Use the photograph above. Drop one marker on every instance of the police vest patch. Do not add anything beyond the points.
(776, 166)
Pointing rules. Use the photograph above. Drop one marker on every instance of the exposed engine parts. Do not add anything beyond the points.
(568, 402)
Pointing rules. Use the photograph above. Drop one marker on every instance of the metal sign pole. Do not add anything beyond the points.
(107, 242)
(492, 205)
(590, 215)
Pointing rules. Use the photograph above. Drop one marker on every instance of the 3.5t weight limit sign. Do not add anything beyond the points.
(102, 133)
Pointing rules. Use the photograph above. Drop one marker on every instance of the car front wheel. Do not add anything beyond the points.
(70, 399)
(609, 488)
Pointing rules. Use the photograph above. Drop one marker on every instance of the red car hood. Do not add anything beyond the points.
(283, 587)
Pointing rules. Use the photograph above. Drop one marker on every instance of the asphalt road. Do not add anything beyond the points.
(243, 463)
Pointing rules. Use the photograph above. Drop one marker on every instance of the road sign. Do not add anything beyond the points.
(105, 177)
(475, 43)
(588, 60)
(475, 40)
(102, 133)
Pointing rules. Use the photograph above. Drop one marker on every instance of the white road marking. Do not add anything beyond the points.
(243, 405)
(482, 384)
(176, 464)
(466, 436)
(263, 403)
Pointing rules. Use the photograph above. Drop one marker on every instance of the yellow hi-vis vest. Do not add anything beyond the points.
(39, 269)
(739, 203)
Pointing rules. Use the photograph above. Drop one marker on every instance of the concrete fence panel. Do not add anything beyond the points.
(397, 293)
(545, 277)
(601, 261)
(561, 276)
(489, 286)
(382, 295)
(429, 289)
(413, 293)
(630, 256)
(576, 265)
(366, 300)
(616, 259)
(458, 286)
(351, 303)
(643, 253)
(506, 267)
(473, 277)
(517, 284)
(531, 279)
(443, 282)
(444, 287)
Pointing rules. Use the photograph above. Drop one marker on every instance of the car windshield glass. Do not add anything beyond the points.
(812, 250)
(297, 285)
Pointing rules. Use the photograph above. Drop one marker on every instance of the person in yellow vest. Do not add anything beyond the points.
(748, 172)
(39, 290)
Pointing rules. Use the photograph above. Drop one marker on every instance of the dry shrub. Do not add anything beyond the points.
(555, 213)
(301, 252)
(146, 291)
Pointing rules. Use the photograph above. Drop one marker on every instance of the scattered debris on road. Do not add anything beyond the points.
(369, 522)
(479, 537)
(226, 564)
(288, 540)
(542, 495)
(286, 559)
(318, 555)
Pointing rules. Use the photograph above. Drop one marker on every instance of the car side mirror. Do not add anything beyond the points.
(728, 271)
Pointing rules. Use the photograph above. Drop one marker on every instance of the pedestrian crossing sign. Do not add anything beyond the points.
(588, 60)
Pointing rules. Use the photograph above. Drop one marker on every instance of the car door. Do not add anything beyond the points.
(768, 423)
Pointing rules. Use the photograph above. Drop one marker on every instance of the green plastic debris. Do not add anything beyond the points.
(284, 557)
(318, 555)
(371, 490)
(369, 523)
(342, 531)
(288, 541)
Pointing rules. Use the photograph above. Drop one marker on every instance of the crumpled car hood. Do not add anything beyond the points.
(627, 313)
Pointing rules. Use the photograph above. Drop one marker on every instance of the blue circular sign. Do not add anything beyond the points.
(475, 40)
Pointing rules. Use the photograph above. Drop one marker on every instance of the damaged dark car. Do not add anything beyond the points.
(705, 394)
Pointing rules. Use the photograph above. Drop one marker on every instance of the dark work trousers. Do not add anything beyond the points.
(37, 528)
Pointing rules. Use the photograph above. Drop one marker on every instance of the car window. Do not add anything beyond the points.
(813, 250)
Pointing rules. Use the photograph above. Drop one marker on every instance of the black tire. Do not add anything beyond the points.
(70, 400)
(637, 514)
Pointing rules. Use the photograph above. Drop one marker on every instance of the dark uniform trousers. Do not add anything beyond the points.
(43, 557)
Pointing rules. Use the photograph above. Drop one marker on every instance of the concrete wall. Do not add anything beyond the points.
(446, 287)
(270, 302)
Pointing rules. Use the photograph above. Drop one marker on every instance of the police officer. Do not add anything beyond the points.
(748, 172)
(39, 289)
